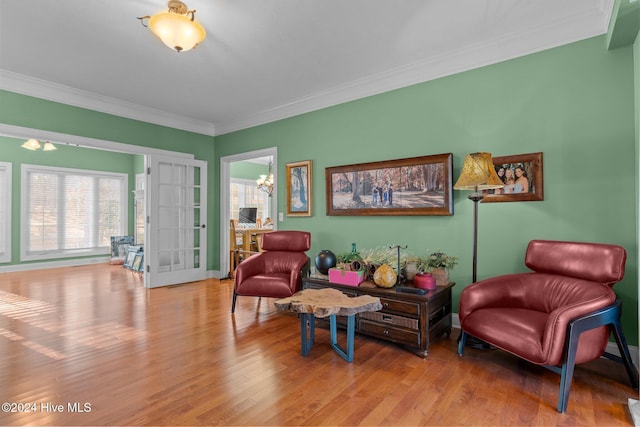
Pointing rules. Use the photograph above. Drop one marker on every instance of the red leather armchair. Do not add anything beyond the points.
(559, 315)
(277, 272)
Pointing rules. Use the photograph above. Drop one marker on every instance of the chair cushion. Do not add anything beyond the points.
(595, 262)
(290, 241)
(276, 285)
(527, 314)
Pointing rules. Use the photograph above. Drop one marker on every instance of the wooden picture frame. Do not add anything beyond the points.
(131, 256)
(137, 262)
(411, 186)
(299, 175)
(526, 168)
(120, 246)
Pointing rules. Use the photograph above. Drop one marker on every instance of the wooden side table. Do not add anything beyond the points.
(412, 320)
(327, 303)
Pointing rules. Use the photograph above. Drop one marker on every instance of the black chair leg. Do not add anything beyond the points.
(462, 339)
(625, 356)
(233, 302)
(608, 316)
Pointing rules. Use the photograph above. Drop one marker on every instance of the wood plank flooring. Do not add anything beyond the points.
(91, 338)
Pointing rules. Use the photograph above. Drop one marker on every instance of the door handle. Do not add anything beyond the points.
(203, 226)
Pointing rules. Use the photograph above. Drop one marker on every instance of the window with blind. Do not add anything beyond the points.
(245, 194)
(5, 212)
(71, 212)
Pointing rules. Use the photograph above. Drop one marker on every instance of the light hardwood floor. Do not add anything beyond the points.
(176, 356)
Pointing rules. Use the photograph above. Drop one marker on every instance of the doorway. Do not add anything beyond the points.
(225, 196)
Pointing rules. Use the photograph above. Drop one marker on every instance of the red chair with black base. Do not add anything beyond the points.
(557, 316)
(277, 272)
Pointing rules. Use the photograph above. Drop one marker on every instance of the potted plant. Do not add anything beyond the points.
(410, 266)
(439, 264)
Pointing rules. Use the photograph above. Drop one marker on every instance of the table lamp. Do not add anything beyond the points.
(477, 174)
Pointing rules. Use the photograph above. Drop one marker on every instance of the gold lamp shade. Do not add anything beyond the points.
(478, 173)
(177, 27)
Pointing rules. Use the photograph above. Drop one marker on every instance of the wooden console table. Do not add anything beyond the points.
(412, 320)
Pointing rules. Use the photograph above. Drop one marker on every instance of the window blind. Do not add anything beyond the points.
(71, 212)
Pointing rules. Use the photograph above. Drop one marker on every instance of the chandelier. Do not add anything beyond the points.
(177, 28)
(265, 182)
(34, 144)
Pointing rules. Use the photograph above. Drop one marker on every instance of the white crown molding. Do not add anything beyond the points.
(510, 46)
(19, 83)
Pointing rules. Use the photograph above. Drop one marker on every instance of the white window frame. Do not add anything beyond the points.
(24, 229)
(5, 220)
(250, 183)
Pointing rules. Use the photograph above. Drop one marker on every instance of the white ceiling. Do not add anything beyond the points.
(264, 60)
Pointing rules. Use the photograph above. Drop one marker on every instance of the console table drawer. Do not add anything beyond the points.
(390, 333)
(406, 322)
(409, 308)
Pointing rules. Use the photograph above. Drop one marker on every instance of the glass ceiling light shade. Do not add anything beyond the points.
(478, 173)
(176, 28)
(32, 144)
(265, 182)
(48, 146)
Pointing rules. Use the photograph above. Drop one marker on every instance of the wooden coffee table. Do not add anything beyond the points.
(327, 302)
(414, 321)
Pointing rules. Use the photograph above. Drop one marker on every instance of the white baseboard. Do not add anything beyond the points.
(612, 347)
(54, 264)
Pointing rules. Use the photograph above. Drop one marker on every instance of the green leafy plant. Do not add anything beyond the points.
(437, 260)
(348, 257)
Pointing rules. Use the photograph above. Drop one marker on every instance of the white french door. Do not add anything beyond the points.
(175, 240)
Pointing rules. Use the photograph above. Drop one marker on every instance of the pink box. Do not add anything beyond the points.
(346, 277)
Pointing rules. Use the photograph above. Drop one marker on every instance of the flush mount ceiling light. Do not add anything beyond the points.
(34, 144)
(177, 28)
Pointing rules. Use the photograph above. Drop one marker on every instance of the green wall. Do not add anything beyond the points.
(573, 103)
(247, 170)
(30, 112)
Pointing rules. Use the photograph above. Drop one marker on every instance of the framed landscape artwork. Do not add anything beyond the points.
(522, 175)
(411, 186)
(299, 188)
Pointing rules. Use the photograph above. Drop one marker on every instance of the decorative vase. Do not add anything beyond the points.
(324, 261)
(441, 275)
(410, 270)
(424, 281)
(385, 276)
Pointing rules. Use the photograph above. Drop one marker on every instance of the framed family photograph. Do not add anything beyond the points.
(522, 178)
(411, 186)
(299, 188)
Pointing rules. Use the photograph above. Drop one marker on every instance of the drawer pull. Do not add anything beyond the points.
(387, 318)
(385, 305)
(386, 332)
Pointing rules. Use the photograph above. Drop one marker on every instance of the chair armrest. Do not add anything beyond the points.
(251, 266)
(589, 301)
(500, 291)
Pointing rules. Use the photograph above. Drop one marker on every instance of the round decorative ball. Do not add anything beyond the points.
(325, 260)
(385, 276)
